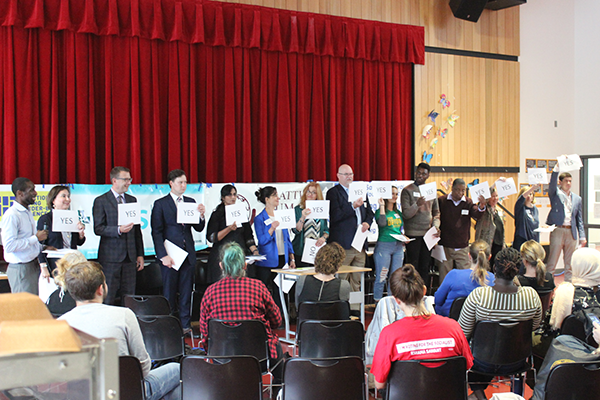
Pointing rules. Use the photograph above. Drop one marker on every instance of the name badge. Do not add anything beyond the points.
(417, 194)
(464, 212)
(396, 216)
(268, 221)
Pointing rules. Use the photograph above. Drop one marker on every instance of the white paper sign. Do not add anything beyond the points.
(286, 282)
(569, 163)
(545, 229)
(428, 190)
(506, 188)
(310, 251)
(65, 221)
(429, 239)
(356, 191)
(480, 189)
(537, 175)
(236, 213)
(381, 189)
(319, 209)
(401, 238)
(286, 218)
(359, 238)
(187, 213)
(128, 213)
(438, 253)
(176, 253)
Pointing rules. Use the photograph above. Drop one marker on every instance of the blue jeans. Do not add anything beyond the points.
(388, 257)
(163, 382)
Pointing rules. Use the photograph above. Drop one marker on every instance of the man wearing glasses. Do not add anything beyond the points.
(121, 250)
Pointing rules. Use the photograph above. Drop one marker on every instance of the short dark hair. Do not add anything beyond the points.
(53, 193)
(507, 263)
(329, 259)
(114, 173)
(564, 175)
(263, 193)
(83, 279)
(458, 181)
(424, 165)
(176, 173)
(21, 184)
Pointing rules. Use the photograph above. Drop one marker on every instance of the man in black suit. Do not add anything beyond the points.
(121, 250)
(165, 227)
(345, 217)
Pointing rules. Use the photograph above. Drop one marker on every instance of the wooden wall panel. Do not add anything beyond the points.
(484, 93)
(495, 32)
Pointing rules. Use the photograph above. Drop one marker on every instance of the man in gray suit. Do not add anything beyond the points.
(566, 214)
(121, 250)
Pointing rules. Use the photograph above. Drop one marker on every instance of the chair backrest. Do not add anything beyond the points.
(326, 339)
(334, 378)
(323, 311)
(163, 336)
(503, 342)
(428, 379)
(545, 299)
(207, 378)
(237, 338)
(456, 308)
(574, 327)
(147, 305)
(573, 381)
(131, 385)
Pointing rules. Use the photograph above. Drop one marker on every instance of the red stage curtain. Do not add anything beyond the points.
(227, 92)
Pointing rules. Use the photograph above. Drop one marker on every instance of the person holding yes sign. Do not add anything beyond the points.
(307, 227)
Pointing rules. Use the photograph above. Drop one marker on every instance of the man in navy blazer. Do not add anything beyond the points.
(165, 227)
(345, 217)
(567, 215)
(121, 250)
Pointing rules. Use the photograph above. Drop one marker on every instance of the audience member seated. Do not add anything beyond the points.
(503, 301)
(580, 293)
(60, 301)
(535, 274)
(87, 285)
(236, 297)
(420, 335)
(461, 282)
(324, 286)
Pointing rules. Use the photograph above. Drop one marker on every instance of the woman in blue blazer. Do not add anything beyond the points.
(273, 243)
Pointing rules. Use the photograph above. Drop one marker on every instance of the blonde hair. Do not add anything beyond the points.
(480, 252)
(534, 254)
(523, 190)
(64, 264)
(302, 202)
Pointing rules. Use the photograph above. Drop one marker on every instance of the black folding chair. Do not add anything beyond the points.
(573, 381)
(456, 308)
(208, 378)
(163, 337)
(147, 305)
(326, 339)
(428, 379)
(131, 385)
(340, 378)
(323, 311)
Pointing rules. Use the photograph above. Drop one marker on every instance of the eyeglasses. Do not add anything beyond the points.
(311, 192)
(346, 173)
(125, 179)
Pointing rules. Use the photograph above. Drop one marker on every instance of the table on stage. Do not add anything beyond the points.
(293, 274)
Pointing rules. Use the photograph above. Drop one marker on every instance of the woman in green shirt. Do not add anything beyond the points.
(389, 251)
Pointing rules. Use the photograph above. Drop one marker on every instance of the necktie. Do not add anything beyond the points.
(120, 199)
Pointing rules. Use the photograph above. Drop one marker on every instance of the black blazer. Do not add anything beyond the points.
(55, 239)
(165, 227)
(115, 248)
(342, 217)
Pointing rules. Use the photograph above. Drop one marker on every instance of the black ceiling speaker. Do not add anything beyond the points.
(500, 4)
(467, 9)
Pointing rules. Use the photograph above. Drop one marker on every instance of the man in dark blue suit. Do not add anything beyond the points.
(345, 217)
(165, 227)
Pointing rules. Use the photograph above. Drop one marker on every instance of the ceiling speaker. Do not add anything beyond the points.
(469, 10)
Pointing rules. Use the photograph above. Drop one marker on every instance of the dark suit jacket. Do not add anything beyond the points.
(164, 226)
(342, 217)
(55, 239)
(114, 248)
(557, 212)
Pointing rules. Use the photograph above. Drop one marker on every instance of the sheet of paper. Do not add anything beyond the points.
(251, 259)
(128, 213)
(537, 175)
(438, 253)
(481, 189)
(381, 189)
(506, 188)
(359, 238)
(287, 281)
(356, 191)
(286, 218)
(59, 253)
(569, 163)
(236, 213)
(429, 239)
(310, 251)
(45, 288)
(319, 209)
(545, 229)
(428, 190)
(401, 238)
(65, 221)
(187, 213)
(355, 298)
(176, 253)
